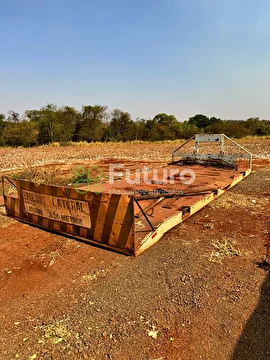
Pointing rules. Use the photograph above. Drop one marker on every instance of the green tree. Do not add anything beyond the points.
(151, 130)
(2, 125)
(161, 127)
(188, 130)
(258, 127)
(90, 127)
(167, 126)
(66, 119)
(214, 120)
(139, 129)
(201, 121)
(46, 120)
(24, 133)
(13, 116)
(54, 124)
(234, 128)
(218, 127)
(120, 125)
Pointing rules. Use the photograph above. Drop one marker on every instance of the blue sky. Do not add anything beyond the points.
(142, 56)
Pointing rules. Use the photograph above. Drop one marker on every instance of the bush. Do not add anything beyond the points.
(22, 133)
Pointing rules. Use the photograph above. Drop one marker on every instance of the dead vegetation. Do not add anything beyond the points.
(57, 332)
(84, 309)
(223, 248)
(49, 174)
(5, 220)
(93, 276)
(233, 199)
(12, 159)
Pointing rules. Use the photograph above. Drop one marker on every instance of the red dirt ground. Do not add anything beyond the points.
(197, 294)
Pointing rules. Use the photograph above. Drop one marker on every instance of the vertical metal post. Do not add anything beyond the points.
(221, 143)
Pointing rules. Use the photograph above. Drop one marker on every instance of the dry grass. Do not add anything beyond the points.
(222, 249)
(10, 187)
(12, 158)
(57, 332)
(4, 219)
(120, 143)
(47, 258)
(94, 276)
(231, 199)
(46, 175)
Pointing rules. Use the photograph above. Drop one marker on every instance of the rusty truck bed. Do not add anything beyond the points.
(130, 213)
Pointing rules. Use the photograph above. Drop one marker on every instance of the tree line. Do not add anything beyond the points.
(96, 123)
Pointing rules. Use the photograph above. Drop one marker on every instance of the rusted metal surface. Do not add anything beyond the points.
(128, 215)
(106, 219)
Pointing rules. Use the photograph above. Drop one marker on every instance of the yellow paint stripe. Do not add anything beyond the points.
(102, 211)
(17, 207)
(118, 220)
(130, 244)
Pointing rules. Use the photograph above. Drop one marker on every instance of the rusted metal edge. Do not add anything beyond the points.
(178, 218)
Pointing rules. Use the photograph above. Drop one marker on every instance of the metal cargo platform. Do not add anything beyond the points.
(132, 213)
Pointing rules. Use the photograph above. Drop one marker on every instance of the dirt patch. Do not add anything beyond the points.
(19, 158)
(62, 299)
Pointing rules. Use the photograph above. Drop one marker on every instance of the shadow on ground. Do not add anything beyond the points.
(254, 342)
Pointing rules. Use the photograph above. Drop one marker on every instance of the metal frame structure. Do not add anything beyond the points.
(130, 224)
(221, 159)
